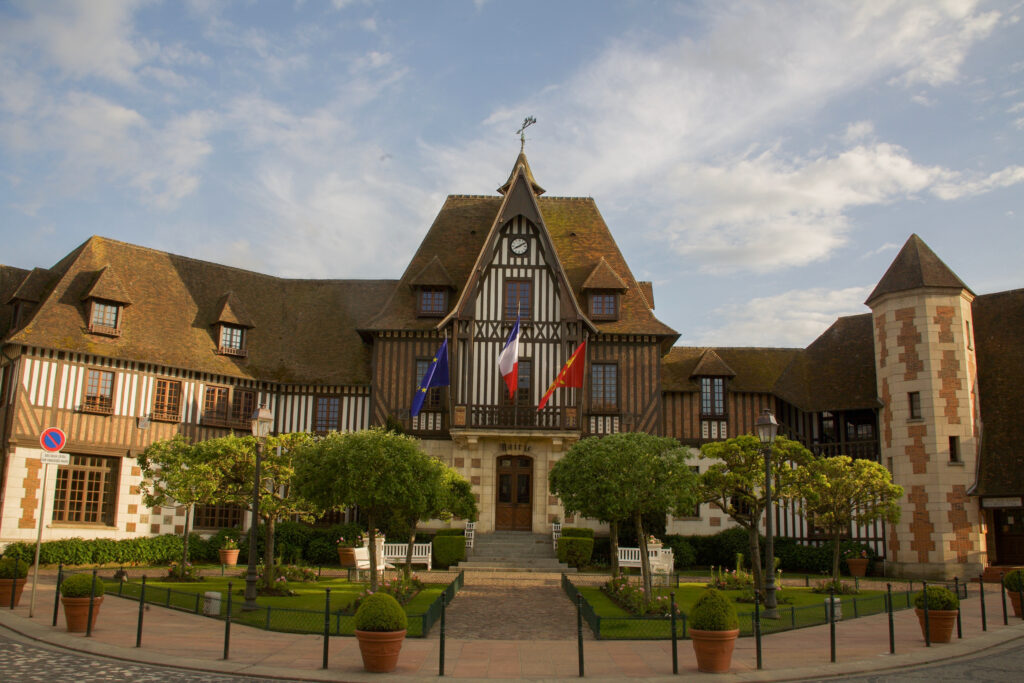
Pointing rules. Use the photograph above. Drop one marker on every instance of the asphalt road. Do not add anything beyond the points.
(1002, 663)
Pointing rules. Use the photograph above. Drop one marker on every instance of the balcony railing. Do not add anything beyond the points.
(866, 449)
(520, 417)
(101, 405)
(227, 421)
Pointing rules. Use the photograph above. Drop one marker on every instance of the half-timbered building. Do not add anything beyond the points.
(120, 345)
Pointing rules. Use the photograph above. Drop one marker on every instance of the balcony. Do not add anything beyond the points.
(865, 449)
(521, 417)
(99, 405)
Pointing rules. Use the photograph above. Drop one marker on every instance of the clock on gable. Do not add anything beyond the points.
(518, 246)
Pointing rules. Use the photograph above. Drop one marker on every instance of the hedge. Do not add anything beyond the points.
(682, 551)
(575, 551)
(448, 550)
(577, 532)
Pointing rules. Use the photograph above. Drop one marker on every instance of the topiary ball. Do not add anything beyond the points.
(1014, 581)
(939, 598)
(713, 611)
(381, 612)
(80, 586)
(13, 568)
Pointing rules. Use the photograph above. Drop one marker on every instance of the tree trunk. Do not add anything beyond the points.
(613, 529)
(408, 551)
(184, 544)
(373, 551)
(645, 561)
(755, 559)
(835, 559)
(268, 553)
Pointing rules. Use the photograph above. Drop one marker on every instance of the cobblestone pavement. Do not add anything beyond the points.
(509, 610)
(28, 662)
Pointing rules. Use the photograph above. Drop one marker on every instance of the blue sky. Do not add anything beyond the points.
(760, 162)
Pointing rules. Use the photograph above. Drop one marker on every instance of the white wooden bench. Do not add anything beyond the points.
(662, 560)
(470, 531)
(556, 533)
(422, 553)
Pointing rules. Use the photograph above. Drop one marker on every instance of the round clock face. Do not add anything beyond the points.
(518, 246)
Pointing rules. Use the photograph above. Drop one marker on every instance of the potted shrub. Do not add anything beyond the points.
(74, 596)
(714, 627)
(347, 549)
(942, 604)
(380, 630)
(858, 565)
(1014, 583)
(229, 552)
(13, 573)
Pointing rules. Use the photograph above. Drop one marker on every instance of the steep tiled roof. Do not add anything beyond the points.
(712, 365)
(836, 372)
(521, 161)
(11, 279)
(999, 340)
(916, 266)
(603, 277)
(647, 289)
(304, 331)
(756, 370)
(33, 286)
(578, 232)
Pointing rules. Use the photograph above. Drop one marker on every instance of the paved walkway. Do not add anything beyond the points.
(182, 640)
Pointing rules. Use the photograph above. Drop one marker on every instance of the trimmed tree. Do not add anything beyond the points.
(839, 492)
(735, 484)
(174, 472)
(622, 477)
(379, 471)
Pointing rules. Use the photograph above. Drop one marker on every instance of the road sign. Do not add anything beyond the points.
(56, 458)
(52, 439)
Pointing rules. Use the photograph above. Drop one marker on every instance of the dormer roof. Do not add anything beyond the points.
(916, 267)
(433, 274)
(603, 277)
(231, 312)
(521, 161)
(108, 287)
(712, 365)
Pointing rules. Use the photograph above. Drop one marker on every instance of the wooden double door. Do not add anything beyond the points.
(514, 499)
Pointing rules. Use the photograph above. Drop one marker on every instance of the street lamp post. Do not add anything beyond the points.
(262, 419)
(767, 428)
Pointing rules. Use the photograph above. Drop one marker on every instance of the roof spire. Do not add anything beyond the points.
(527, 122)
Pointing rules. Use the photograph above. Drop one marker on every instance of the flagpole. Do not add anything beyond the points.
(515, 398)
(450, 408)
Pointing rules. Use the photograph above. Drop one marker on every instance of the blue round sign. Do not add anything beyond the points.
(52, 440)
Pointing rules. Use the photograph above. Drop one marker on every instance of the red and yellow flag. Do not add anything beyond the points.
(571, 374)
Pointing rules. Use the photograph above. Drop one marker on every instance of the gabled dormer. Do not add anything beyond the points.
(27, 296)
(603, 289)
(105, 302)
(231, 328)
(433, 287)
(713, 374)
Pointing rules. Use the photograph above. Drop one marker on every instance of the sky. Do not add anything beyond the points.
(761, 162)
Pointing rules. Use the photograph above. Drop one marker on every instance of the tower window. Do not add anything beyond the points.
(915, 405)
(954, 449)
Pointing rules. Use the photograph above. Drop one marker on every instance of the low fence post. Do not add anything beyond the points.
(227, 624)
(327, 623)
(1002, 592)
(832, 623)
(757, 627)
(142, 609)
(120, 582)
(92, 605)
(579, 628)
(892, 631)
(440, 656)
(927, 630)
(56, 593)
(675, 643)
(981, 595)
(1020, 598)
(959, 628)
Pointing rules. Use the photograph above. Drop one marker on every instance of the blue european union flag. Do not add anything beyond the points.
(435, 376)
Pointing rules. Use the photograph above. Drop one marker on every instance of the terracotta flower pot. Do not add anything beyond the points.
(858, 566)
(940, 624)
(714, 649)
(347, 557)
(228, 557)
(6, 585)
(1015, 600)
(76, 612)
(380, 649)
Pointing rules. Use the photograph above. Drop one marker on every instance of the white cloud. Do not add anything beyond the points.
(888, 246)
(958, 186)
(790, 319)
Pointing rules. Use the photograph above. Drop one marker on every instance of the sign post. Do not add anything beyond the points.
(52, 440)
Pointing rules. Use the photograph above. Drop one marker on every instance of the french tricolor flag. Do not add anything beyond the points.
(508, 361)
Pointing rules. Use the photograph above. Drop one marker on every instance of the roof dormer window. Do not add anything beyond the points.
(232, 340)
(106, 300)
(105, 318)
(432, 302)
(604, 305)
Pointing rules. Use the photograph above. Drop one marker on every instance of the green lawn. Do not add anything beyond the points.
(301, 613)
(806, 609)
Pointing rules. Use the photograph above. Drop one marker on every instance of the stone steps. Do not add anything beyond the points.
(513, 551)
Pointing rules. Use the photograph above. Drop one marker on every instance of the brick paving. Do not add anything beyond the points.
(493, 610)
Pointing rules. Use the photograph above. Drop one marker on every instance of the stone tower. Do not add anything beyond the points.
(926, 374)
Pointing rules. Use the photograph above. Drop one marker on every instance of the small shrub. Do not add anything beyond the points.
(320, 552)
(939, 597)
(293, 573)
(1014, 581)
(450, 532)
(380, 612)
(448, 550)
(577, 532)
(79, 586)
(837, 587)
(713, 612)
(632, 598)
(682, 551)
(19, 550)
(13, 568)
(575, 551)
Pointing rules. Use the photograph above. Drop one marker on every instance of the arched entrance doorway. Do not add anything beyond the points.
(514, 499)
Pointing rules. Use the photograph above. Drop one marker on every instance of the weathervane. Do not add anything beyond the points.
(527, 122)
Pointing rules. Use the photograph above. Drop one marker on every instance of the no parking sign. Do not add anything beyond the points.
(52, 439)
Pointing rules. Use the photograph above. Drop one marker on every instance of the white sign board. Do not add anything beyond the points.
(55, 458)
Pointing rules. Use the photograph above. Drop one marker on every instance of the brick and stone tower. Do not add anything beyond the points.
(926, 373)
